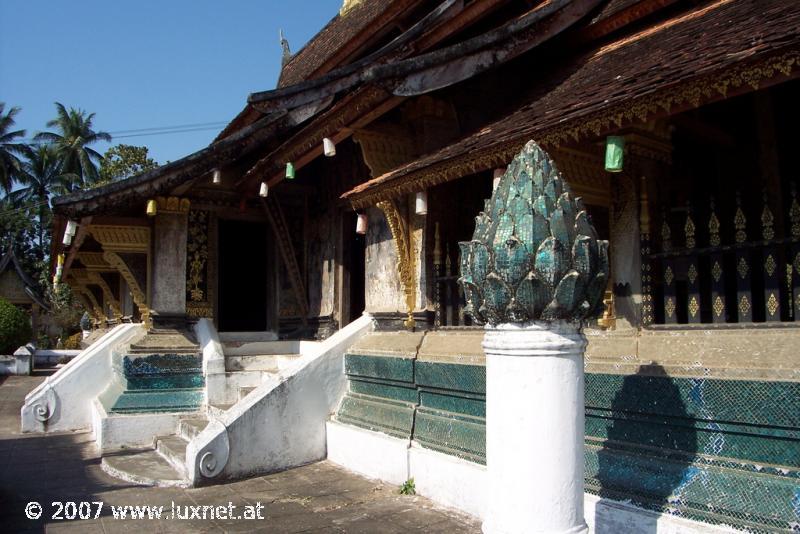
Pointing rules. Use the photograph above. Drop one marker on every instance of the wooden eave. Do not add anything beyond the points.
(514, 38)
(712, 52)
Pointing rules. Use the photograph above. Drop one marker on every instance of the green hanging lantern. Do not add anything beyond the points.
(290, 171)
(615, 146)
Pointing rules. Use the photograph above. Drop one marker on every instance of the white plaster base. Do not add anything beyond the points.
(115, 432)
(462, 485)
(372, 454)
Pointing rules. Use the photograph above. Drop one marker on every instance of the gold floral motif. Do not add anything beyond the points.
(766, 222)
(797, 263)
(669, 307)
(742, 268)
(794, 214)
(744, 304)
(694, 306)
(716, 271)
(692, 274)
(770, 265)
(772, 304)
(197, 255)
(713, 230)
(740, 222)
(666, 237)
(668, 275)
(689, 230)
(719, 306)
(403, 241)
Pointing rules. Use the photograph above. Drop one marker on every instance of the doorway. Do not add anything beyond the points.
(243, 275)
(353, 270)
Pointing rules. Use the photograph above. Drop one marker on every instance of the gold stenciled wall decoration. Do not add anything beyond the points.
(198, 298)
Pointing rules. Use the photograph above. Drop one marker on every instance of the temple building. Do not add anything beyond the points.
(340, 198)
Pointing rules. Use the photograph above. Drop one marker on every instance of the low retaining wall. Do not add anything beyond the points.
(719, 450)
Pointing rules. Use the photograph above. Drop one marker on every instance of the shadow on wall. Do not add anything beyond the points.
(647, 457)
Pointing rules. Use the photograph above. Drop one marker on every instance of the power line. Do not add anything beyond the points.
(155, 130)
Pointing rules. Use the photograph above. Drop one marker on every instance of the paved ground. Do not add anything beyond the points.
(316, 498)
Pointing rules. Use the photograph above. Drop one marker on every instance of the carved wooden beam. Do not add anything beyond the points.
(281, 230)
(404, 243)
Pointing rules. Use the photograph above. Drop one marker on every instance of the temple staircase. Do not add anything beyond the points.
(162, 375)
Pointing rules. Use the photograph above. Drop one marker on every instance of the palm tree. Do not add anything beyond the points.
(9, 162)
(75, 134)
(41, 176)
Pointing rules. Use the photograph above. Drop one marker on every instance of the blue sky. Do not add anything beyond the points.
(147, 64)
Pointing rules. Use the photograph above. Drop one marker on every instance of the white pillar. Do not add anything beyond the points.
(534, 428)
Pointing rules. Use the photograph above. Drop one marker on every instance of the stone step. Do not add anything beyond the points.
(245, 391)
(262, 362)
(173, 449)
(189, 428)
(218, 410)
(163, 400)
(143, 468)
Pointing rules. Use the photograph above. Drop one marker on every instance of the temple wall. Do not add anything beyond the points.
(384, 292)
(168, 294)
(321, 236)
(676, 422)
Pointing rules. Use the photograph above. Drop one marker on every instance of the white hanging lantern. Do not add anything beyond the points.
(328, 147)
(361, 224)
(72, 227)
(421, 203)
(498, 173)
(67, 239)
(216, 178)
(264, 191)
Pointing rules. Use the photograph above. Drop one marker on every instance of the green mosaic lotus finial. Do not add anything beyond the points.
(534, 255)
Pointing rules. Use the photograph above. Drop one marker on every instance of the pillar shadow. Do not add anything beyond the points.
(647, 457)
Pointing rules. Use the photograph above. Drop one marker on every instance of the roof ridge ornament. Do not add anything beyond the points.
(535, 255)
(286, 54)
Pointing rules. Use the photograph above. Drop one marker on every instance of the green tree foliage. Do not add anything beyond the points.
(9, 147)
(71, 141)
(65, 309)
(123, 161)
(21, 228)
(15, 327)
(41, 176)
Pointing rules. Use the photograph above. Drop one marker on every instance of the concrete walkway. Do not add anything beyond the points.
(316, 498)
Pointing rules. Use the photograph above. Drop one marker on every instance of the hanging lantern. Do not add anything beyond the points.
(421, 203)
(290, 171)
(152, 209)
(60, 260)
(328, 147)
(615, 146)
(72, 227)
(216, 178)
(264, 191)
(67, 239)
(498, 173)
(361, 224)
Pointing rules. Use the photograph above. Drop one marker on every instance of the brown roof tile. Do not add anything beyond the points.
(673, 53)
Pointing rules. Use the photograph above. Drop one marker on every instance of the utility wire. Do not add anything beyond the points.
(155, 130)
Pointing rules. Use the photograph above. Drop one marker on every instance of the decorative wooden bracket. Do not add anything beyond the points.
(137, 293)
(281, 230)
(108, 295)
(404, 243)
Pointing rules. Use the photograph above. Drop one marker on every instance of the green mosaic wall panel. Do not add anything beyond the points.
(721, 451)
(378, 414)
(383, 367)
